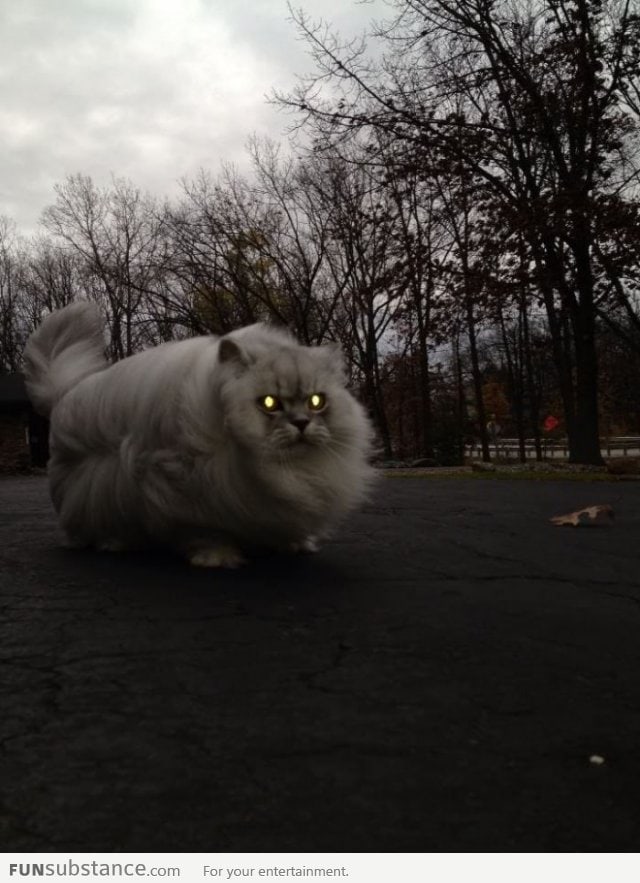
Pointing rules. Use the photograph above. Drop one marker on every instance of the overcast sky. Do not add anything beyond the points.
(151, 90)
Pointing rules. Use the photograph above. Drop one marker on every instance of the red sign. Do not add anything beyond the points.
(550, 423)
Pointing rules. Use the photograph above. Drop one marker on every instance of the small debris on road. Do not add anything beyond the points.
(589, 516)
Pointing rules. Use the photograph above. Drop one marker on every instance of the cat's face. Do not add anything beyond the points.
(288, 401)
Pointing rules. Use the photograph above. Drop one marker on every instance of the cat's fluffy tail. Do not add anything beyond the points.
(67, 347)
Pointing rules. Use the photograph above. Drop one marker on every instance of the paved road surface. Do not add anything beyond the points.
(436, 679)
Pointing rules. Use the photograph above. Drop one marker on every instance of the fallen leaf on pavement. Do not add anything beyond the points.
(590, 515)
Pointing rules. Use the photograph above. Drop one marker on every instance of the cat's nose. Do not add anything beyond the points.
(300, 423)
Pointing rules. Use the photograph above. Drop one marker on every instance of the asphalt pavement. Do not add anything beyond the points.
(451, 673)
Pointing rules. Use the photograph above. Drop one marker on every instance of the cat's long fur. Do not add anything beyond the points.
(170, 447)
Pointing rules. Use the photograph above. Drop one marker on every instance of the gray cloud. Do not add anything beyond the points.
(147, 89)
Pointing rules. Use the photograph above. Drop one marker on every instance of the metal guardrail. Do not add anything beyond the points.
(615, 446)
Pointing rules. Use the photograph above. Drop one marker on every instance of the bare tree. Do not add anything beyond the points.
(11, 336)
(543, 123)
(117, 235)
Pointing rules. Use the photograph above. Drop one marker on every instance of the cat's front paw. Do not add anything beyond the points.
(217, 556)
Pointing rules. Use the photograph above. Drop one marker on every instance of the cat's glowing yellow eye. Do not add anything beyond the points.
(317, 401)
(269, 403)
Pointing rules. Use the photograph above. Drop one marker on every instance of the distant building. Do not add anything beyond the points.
(24, 435)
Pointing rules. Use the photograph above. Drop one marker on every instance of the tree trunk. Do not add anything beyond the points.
(584, 430)
(425, 401)
(515, 385)
(477, 382)
(376, 404)
(584, 440)
(532, 392)
(461, 403)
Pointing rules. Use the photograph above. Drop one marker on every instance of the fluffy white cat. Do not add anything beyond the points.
(210, 446)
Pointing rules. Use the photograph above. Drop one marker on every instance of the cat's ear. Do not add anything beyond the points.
(230, 351)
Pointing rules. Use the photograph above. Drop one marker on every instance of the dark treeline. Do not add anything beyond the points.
(463, 218)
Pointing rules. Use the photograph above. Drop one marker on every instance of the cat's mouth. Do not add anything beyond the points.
(300, 441)
(297, 444)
